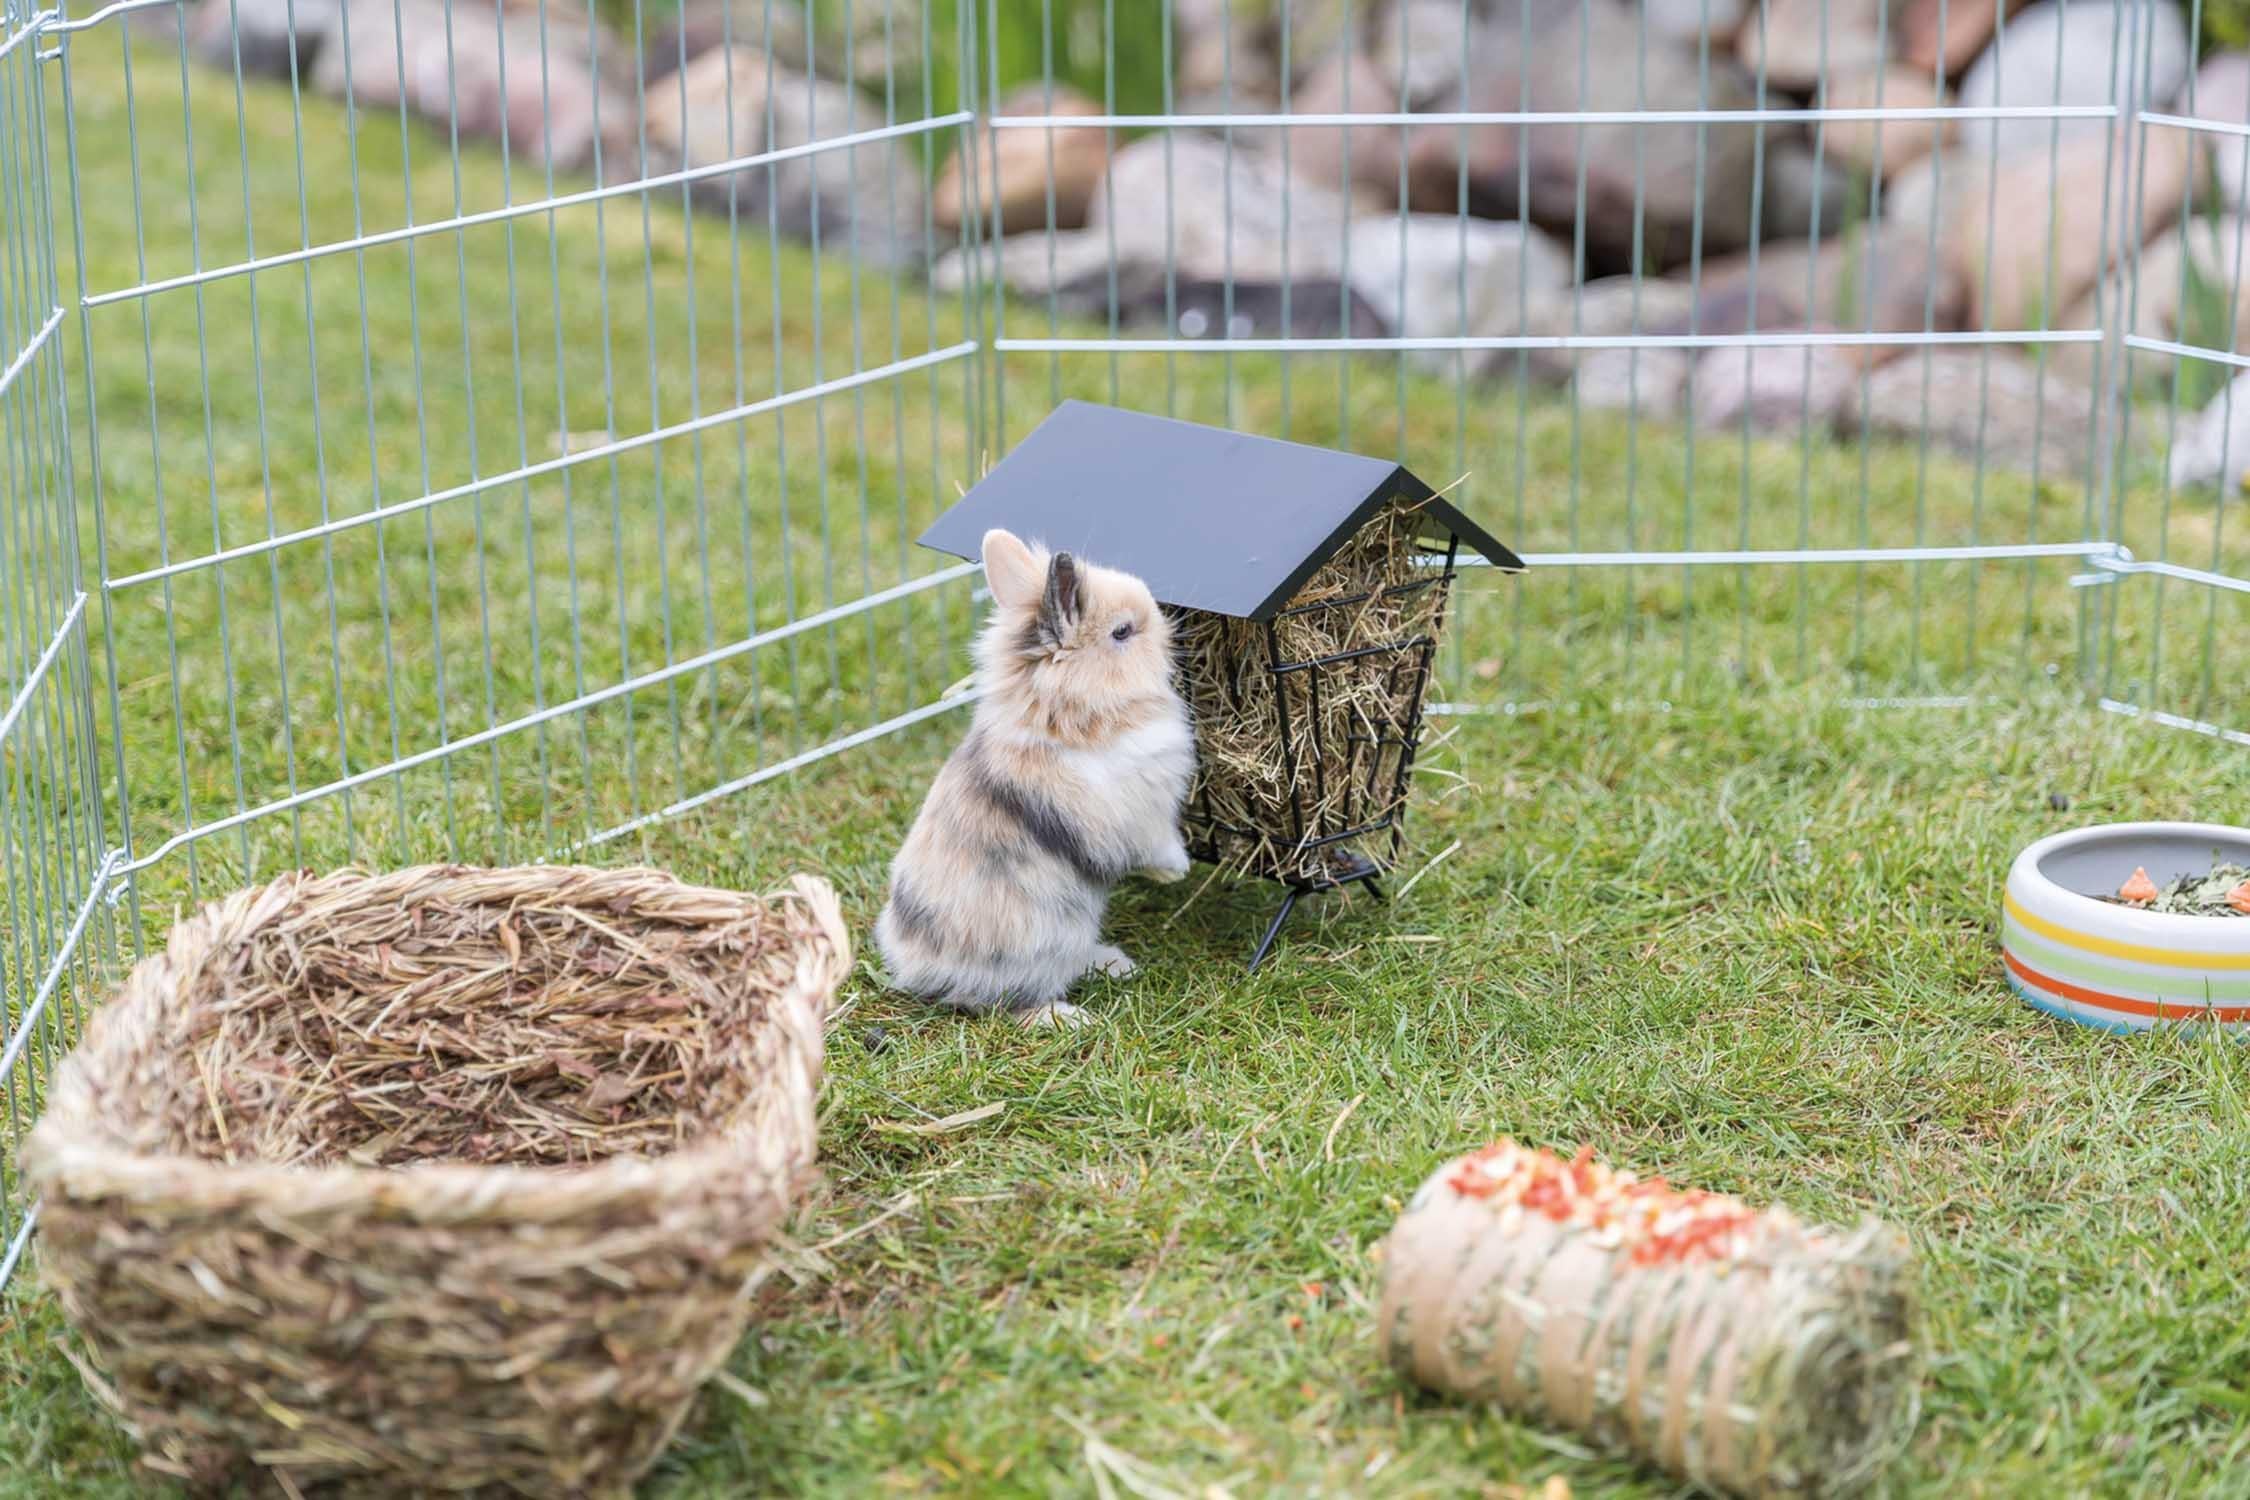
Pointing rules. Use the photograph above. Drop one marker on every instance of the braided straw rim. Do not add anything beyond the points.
(79, 1149)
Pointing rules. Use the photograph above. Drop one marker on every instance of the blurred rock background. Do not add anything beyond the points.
(1843, 227)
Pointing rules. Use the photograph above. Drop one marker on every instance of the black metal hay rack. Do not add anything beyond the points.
(1359, 839)
(1227, 524)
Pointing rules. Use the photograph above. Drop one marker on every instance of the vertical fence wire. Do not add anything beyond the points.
(56, 940)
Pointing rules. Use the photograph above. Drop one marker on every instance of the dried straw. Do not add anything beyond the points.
(1261, 802)
(1789, 1370)
(444, 1179)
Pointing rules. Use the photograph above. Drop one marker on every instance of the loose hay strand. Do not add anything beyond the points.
(436, 1179)
(1264, 797)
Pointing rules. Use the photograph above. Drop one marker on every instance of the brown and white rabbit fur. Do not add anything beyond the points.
(1070, 779)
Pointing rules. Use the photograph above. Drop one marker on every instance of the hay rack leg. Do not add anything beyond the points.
(1273, 928)
(1289, 904)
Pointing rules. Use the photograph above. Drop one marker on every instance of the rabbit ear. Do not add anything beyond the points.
(1010, 569)
(1058, 608)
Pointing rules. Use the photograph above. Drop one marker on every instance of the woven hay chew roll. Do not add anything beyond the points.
(1735, 1347)
(436, 1180)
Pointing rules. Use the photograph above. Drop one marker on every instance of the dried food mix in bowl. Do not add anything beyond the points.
(2225, 892)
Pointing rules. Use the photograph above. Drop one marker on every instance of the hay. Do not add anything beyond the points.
(437, 1180)
(1764, 1359)
(1262, 802)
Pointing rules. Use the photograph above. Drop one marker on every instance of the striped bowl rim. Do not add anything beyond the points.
(2117, 968)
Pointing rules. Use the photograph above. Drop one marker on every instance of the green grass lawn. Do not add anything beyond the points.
(1704, 913)
(1750, 946)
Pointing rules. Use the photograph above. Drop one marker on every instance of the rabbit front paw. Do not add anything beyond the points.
(1169, 866)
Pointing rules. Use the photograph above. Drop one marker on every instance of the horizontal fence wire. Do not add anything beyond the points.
(1793, 339)
(593, 454)
(579, 705)
(1251, 120)
(459, 222)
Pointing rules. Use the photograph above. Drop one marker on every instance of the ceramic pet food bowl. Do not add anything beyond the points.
(2118, 967)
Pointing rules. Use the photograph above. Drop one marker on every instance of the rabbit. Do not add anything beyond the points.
(1071, 777)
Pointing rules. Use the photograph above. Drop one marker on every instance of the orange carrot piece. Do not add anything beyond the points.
(2138, 889)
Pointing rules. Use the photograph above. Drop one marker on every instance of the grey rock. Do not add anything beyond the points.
(1649, 383)
(1875, 278)
(1916, 194)
(1218, 212)
(860, 201)
(882, 43)
(1181, 206)
(775, 27)
(1415, 47)
(1226, 55)
(1988, 403)
(1574, 60)
(1685, 23)
(548, 89)
(2214, 446)
(1611, 307)
(266, 35)
(1443, 276)
(2051, 53)
(1803, 191)
(1774, 388)
(1034, 264)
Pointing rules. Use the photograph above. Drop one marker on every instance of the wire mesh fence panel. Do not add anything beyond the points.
(508, 425)
(2177, 596)
(1781, 346)
(54, 934)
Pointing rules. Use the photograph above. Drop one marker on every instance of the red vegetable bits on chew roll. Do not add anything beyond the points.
(1732, 1345)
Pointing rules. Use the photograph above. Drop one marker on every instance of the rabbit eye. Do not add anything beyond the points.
(1122, 632)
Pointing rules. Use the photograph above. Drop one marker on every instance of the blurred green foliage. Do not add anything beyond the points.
(2225, 25)
(1113, 51)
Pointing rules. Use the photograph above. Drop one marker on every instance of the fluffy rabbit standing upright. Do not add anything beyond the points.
(1071, 778)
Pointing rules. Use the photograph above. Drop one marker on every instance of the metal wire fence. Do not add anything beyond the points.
(450, 428)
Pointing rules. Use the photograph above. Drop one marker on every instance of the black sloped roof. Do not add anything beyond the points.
(1211, 519)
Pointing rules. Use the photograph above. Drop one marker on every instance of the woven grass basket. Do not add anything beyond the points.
(442, 1180)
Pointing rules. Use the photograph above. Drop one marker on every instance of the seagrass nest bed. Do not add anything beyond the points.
(447, 1179)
